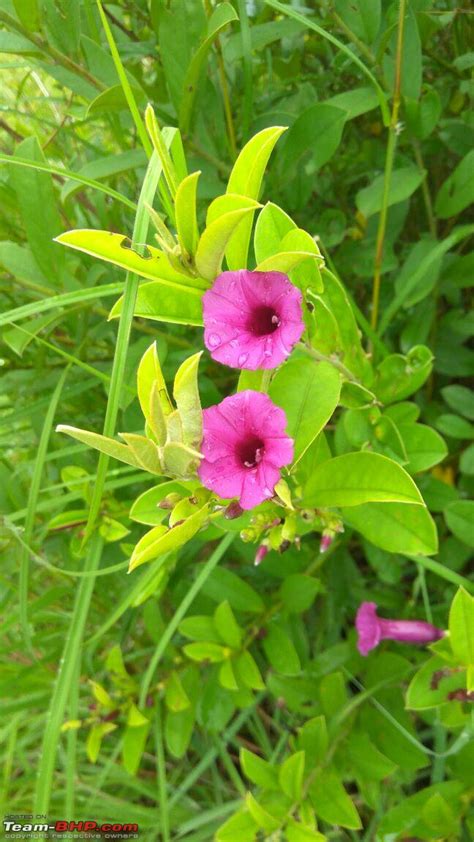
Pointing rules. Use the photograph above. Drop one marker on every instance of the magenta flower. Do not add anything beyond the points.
(252, 319)
(244, 447)
(371, 629)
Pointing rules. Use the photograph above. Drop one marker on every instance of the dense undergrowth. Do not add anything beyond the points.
(204, 696)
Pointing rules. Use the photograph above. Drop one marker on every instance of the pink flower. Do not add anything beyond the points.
(252, 319)
(371, 629)
(244, 447)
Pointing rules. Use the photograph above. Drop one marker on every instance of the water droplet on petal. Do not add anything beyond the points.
(233, 343)
(214, 340)
(242, 359)
(267, 351)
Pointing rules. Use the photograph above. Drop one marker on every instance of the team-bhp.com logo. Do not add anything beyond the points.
(114, 830)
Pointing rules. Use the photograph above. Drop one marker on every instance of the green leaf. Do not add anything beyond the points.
(262, 818)
(302, 833)
(361, 16)
(455, 426)
(356, 478)
(164, 304)
(424, 446)
(291, 775)
(342, 328)
(298, 592)
(178, 730)
(271, 227)
(424, 692)
(280, 650)
(145, 452)
(368, 762)
(134, 742)
(116, 249)
(176, 698)
(185, 210)
(227, 626)
(213, 652)
(150, 378)
(460, 398)
(160, 540)
(200, 628)
(242, 826)
(248, 672)
(331, 801)
(223, 584)
(461, 627)
(457, 192)
(403, 184)
(146, 509)
(102, 443)
(259, 771)
(396, 527)
(222, 15)
(316, 132)
(215, 237)
(246, 179)
(399, 376)
(459, 516)
(313, 739)
(309, 393)
(188, 402)
(227, 677)
(180, 459)
(39, 211)
(95, 737)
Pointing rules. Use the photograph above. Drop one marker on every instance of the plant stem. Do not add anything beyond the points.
(425, 189)
(331, 360)
(226, 98)
(390, 155)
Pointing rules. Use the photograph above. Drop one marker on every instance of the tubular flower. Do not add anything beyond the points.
(252, 319)
(244, 447)
(371, 629)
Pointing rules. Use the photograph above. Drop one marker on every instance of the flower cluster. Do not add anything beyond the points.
(252, 320)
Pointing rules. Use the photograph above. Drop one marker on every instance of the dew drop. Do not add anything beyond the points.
(214, 340)
(242, 359)
(267, 351)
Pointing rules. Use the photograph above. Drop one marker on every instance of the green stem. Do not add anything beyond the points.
(312, 352)
(389, 159)
(442, 571)
(161, 774)
(425, 189)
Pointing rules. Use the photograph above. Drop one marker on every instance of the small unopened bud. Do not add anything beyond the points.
(260, 554)
(233, 510)
(170, 501)
(326, 540)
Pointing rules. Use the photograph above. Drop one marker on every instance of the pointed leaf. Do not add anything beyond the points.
(145, 452)
(185, 210)
(188, 402)
(214, 239)
(160, 540)
(105, 445)
(291, 775)
(162, 303)
(356, 478)
(246, 178)
(116, 249)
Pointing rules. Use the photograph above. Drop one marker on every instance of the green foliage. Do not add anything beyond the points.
(202, 696)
